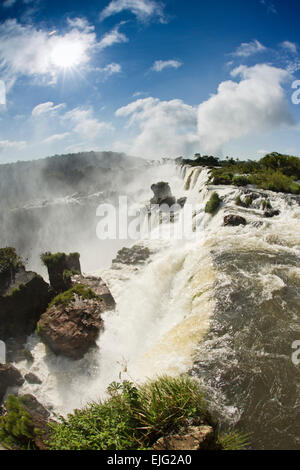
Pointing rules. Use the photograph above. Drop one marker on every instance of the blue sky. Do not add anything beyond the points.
(150, 78)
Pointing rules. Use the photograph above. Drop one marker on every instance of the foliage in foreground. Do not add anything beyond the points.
(16, 427)
(134, 417)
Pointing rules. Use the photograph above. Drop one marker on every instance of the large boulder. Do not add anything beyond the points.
(193, 438)
(73, 321)
(60, 268)
(271, 213)
(10, 376)
(97, 285)
(234, 220)
(24, 296)
(162, 194)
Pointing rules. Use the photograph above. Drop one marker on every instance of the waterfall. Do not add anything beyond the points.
(222, 305)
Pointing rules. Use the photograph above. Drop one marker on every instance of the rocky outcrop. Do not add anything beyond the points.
(132, 256)
(26, 423)
(162, 194)
(271, 213)
(24, 296)
(234, 220)
(31, 378)
(73, 321)
(181, 201)
(9, 377)
(193, 438)
(60, 268)
(97, 285)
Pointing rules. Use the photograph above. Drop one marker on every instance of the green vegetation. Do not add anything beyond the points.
(274, 172)
(213, 204)
(51, 260)
(134, 417)
(9, 261)
(234, 441)
(68, 296)
(240, 180)
(265, 204)
(16, 427)
(39, 329)
(245, 203)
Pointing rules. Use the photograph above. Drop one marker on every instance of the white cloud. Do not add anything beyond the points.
(8, 3)
(48, 107)
(110, 69)
(140, 93)
(56, 138)
(9, 144)
(142, 9)
(255, 104)
(85, 124)
(29, 51)
(80, 23)
(289, 46)
(269, 5)
(2, 93)
(160, 65)
(164, 127)
(112, 37)
(249, 48)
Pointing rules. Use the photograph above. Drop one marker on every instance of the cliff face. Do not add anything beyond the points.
(22, 301)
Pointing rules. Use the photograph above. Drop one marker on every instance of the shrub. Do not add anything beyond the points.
(240, 180)
(266, 204)
(16, 427)
(221, 176)
(213, 204)
(9, 261)
(275, 180)
(134, 417)
(51, 260)
(68, 296)
(287, 164)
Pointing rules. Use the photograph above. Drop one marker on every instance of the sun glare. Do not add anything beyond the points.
(67, 54)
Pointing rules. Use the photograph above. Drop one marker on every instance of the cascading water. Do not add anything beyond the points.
(222, 304)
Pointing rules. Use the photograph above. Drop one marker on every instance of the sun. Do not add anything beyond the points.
(67, 54)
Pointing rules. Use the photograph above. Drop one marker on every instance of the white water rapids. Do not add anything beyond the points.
(198, 304)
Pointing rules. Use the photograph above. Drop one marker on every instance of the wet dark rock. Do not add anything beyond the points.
(162, 194)
(40, 420)
(132, 256)
(60, 268)
(32, 405)
(234, 220)
(181, 201)
(22, 301)
(31, 378)
(71, 330)
(10, 376)
(271, 213)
